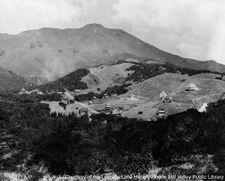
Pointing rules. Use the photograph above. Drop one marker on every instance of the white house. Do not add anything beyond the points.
(161, 114)
(68, 95)
(84, 111)
(133, 97)
(200, 104)
(77, 91)
(203, 108)
(35, 91)
(105, 96)
(163, 95)
(23, 91)
(191, 87)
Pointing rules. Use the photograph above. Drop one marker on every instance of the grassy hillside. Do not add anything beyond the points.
(143, 79)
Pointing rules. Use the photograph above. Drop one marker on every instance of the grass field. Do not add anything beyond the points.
(106, 76)
(145, 102)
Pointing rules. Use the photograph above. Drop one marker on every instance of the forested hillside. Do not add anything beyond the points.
(70, 145)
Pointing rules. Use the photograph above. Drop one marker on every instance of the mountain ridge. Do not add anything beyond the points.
(9, 81)
(51, 53)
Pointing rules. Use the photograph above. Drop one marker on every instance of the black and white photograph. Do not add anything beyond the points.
(112, 90)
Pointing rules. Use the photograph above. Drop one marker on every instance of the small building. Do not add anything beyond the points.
(36, 91)
(105, 96)
(163, 95)
(222, 96)
(191, 87)
(167, 100)
(108, 109)
(201, 104)
(68, 95)
(104, 122)
(94, 98)
(77, 91)
(23, 91)
(132, 97)
(203, 108)
(40, 93)
(117, 111)
(161, 114)
(83, 111)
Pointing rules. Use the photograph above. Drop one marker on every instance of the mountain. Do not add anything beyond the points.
(10, 81)
(47, 54)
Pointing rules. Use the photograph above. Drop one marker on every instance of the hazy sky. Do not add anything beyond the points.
(190, 28)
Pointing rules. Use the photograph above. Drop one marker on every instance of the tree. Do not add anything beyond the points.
(135, 163)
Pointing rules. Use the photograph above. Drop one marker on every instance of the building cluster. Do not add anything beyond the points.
(162, 113)
(165, 98)
(67, 97)
(115, 110)
(35, 91)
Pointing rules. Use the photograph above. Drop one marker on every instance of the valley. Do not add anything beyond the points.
(133, 89)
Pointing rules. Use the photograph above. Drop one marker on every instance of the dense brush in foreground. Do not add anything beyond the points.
(31, 138)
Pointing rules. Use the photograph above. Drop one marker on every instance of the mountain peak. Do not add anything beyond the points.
(50, 52)
(94, 28)
(93, 25)
(211, 61)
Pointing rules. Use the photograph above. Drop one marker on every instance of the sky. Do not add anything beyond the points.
(189, 28)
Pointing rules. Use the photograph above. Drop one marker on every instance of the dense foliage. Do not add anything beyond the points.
(71, 145)
(116, 89)
(143, 71)
(87, 97)
(38, 97)
(71, 82)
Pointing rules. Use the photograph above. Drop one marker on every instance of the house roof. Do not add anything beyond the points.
(191, 85)
(163, 93)
(203, 108)
(222, 96)
(202, 101)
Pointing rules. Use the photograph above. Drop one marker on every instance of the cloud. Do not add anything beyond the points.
(98, 11)
(20, 15)
(183, 27)
(188, 28)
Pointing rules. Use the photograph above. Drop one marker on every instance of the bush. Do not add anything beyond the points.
(71, 145)
(219, 160)
(62, 104)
